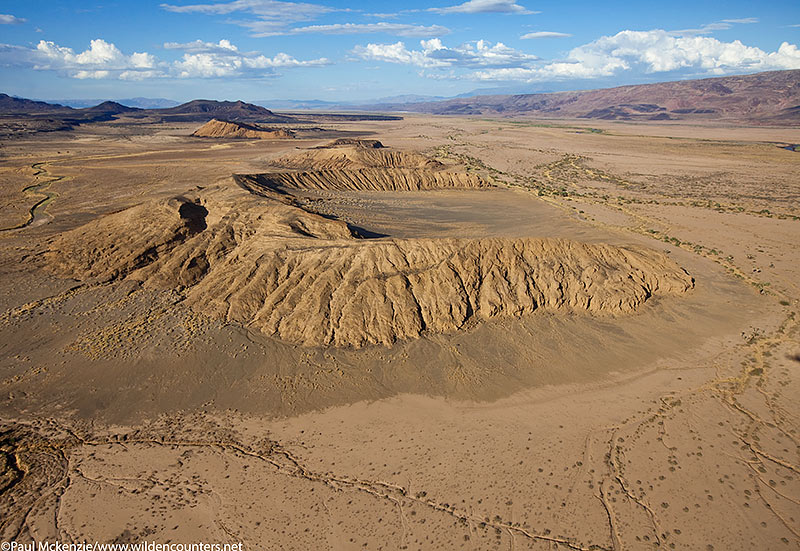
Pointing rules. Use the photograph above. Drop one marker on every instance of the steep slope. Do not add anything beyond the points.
(135, 240)
(379, 292)
(353, 154)
(216, 128)
(370, 179)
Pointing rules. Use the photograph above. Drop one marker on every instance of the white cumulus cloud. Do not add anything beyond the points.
(209, 60)
(394, 53)
(435, 54)
(103, 60)
(631, 52)
(659, 51)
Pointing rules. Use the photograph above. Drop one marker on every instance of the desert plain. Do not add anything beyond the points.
(485, 334)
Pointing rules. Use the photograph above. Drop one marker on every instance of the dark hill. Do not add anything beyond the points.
(10, 104)
(205, 110)
(111, 108)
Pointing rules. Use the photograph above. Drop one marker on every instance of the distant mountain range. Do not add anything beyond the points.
(199, 110)
(762, 98)
(141, 103)
(21, 116)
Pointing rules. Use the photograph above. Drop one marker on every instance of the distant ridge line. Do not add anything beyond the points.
(770, 98)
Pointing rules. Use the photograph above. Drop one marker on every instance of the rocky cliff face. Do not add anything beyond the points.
(372, 179)
(377, 293)
(364, 165)
(354, 154)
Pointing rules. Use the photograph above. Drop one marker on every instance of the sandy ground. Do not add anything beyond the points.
(128, 416)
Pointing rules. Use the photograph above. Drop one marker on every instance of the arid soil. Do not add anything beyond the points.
(474, 334)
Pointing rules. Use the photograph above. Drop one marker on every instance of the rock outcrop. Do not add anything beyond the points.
(156, 234)
(379, 292)
(372, 179)
(355, 154)
(226, 129)
(364, 165)
(250, 255)
(304, 279)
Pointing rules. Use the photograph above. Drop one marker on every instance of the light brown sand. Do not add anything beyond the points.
(675, 427)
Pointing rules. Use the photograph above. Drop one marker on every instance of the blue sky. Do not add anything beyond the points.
(338, 50)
